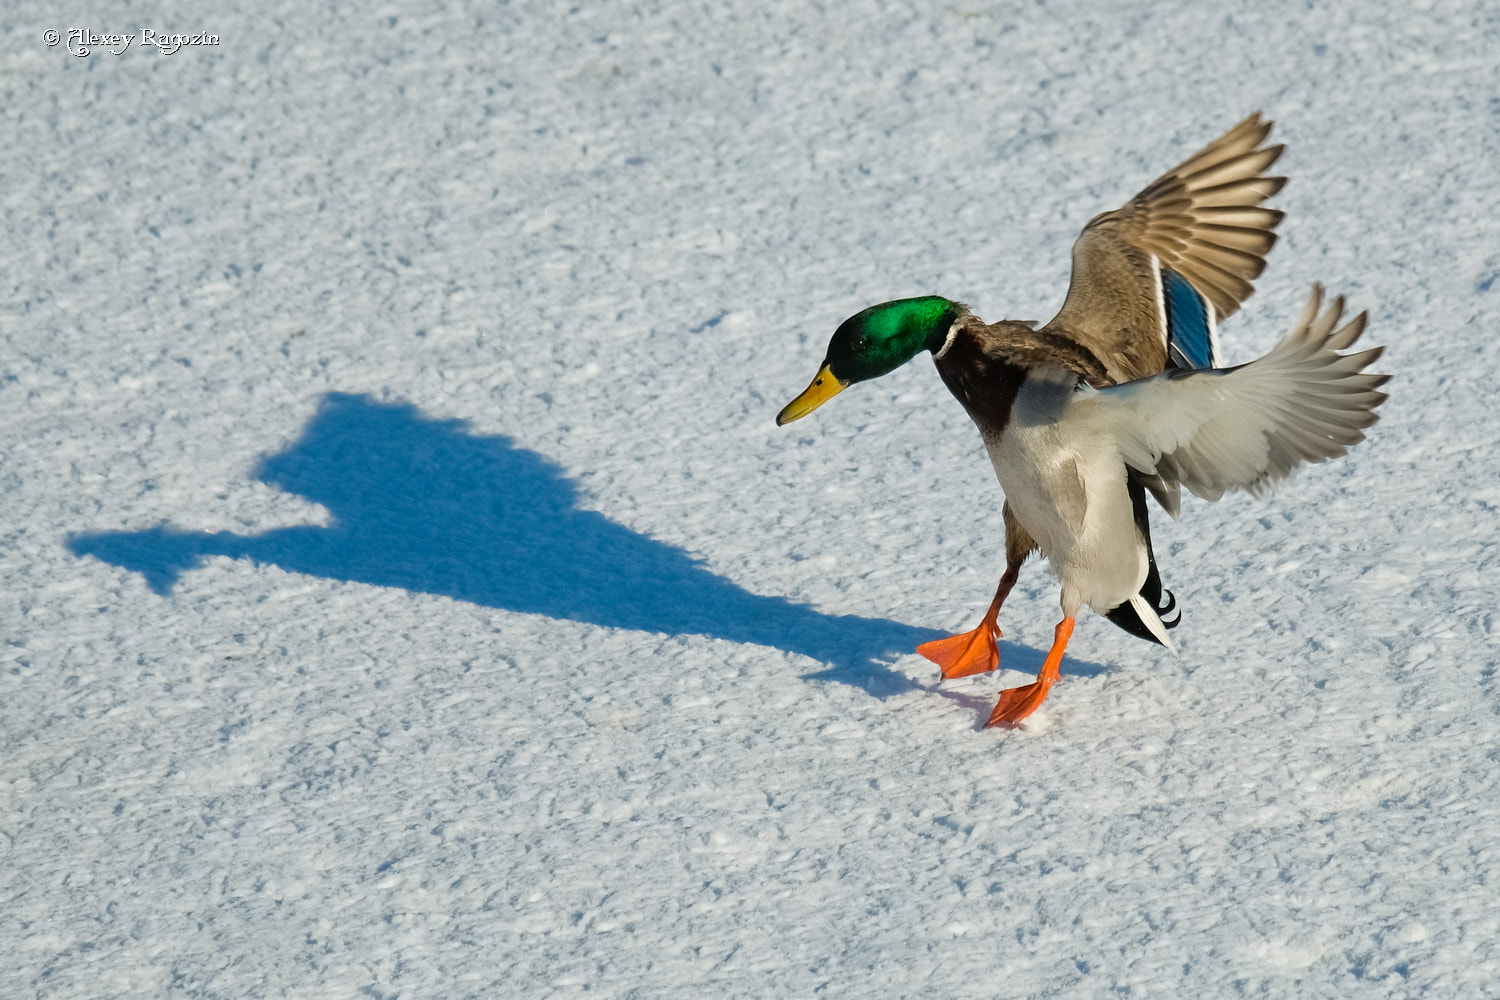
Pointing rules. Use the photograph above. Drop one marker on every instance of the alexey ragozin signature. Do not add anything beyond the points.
(82, 41)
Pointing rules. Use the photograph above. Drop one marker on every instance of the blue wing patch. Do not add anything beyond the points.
(1192, 337)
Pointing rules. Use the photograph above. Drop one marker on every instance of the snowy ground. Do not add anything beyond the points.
(407, 593)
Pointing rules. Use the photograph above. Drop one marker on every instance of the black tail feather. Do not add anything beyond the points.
(1125, 615)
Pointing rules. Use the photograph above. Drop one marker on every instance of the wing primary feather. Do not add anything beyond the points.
(1232, 193)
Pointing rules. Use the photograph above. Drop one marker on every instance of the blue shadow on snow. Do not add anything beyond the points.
(424, 505)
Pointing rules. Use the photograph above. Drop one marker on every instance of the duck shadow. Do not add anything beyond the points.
(424, 505)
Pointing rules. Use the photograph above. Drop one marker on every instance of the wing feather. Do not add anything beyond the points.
(1252, 191)
(1202, 219)
(1246, 428)
(1232, 170)
(1239, 217)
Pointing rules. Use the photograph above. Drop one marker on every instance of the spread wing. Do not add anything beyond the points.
(1245, 428)
(1151, 280)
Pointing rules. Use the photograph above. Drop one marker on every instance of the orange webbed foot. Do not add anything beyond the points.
(973, 652)
(1017, 703)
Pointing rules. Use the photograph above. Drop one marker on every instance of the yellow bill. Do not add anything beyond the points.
(824, 387)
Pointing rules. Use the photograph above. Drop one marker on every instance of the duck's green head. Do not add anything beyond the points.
(871, 343)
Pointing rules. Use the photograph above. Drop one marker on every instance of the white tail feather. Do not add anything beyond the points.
(1152, 621)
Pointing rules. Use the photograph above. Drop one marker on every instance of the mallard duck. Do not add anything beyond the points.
(1124, 393)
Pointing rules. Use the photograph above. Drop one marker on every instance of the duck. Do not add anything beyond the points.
(1124, 393)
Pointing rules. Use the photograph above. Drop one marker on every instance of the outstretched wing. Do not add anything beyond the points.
(1245, 428)
(1151, 280)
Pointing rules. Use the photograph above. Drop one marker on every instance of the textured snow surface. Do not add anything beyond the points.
(405, 591)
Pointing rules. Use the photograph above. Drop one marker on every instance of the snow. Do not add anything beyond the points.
(407, 593)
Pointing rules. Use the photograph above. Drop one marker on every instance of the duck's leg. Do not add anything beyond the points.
(1016, 704)
(974, 652)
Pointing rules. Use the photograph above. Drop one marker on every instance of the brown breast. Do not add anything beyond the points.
(983, 365)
